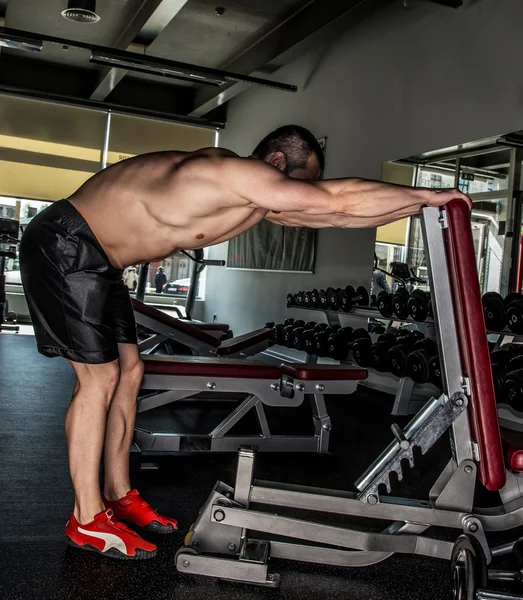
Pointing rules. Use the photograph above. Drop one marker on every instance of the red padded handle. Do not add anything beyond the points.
(473, 344)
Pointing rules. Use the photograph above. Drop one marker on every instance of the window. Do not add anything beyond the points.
(271, 247)
(22, 211)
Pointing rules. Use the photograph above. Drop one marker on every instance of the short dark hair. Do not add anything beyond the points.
(296, 143)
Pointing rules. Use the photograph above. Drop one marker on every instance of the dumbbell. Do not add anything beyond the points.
(333, 302)
(298, 340)
(380, 350)
(397, 355)
(400, 302)
(309, 342)
(288, 332)
(499, 360)
(384, 304)
(277, 333)
(361, 351)
(343, 340)
(435, 376)
(290, 299)
(418, 360)
(323, 300)
(513, 390)
(514, 313)
(321, 341)
(373, 300)
(348, 297)
(495, 311)
(418, 305)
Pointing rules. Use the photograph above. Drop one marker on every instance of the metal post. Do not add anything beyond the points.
(457, 172)
(195, 276)
(107, 135)
(142, 282)
(511, 246)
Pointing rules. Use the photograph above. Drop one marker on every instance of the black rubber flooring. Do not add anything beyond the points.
(36, 498)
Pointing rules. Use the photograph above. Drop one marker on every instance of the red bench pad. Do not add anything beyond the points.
(242, 342)
(324, 372)
(199, 366)
(461, 261)
(177, 324)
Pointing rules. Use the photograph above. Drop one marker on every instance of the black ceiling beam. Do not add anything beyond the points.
(21, 92)
(151, 16)
(317, 23)
(6, 33)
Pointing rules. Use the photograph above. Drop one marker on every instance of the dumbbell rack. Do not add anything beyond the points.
(403, 402)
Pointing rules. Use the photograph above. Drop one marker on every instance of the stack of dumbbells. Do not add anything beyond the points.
(503, 312)
(317, 339)
(335, 299)
(507, 371)
(403, 305)
(402, 352)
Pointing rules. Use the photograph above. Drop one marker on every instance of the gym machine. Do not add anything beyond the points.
(239, 529)
(8, 243)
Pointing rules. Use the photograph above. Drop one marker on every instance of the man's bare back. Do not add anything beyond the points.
(148, 207)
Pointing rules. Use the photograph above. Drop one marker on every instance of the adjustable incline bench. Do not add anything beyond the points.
(223, 542)
(180, 378)
(199, 339)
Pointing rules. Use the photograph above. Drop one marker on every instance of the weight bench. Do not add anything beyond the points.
(180, 378)
(200, 339)
(239, 529)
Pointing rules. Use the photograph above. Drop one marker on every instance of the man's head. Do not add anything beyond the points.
(293, 150)
(160, 269)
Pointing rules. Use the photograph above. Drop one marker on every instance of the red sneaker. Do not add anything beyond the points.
(134, 509)
(108, 537)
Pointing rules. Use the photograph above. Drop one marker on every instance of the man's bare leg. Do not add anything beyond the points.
(85, 425)
(120, 423)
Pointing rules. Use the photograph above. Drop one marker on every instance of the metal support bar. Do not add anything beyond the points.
(107, 135)
(142, 282)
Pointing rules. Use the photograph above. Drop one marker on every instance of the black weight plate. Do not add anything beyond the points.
(418, 366)
(362, 352)
(397, 360)
(468, 568)
(513, 390)
(418, 305)
(315, 298)
(364, 296)
(515, 363)
(299, 299)
(384, 303)
(493, 311)
(514, 316)
(345, 301)
(323, 300)
(511, 297)
(379, 354)
(399, 305)
(290, 300)
(307, 299)
(308, 341)
(435, 372)
(332, 298)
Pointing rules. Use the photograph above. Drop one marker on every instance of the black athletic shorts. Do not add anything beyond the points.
(79, 305)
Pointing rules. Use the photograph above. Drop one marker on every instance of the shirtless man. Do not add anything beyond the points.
(141, 210)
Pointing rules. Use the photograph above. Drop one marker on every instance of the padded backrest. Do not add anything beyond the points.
(473, 344)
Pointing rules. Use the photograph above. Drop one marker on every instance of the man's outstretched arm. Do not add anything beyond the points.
(331, 203)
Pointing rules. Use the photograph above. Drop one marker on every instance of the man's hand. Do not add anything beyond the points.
(441, 197)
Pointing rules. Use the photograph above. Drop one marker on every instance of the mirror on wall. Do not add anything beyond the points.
(489, 171)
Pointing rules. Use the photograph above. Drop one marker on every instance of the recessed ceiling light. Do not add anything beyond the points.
(81, 11)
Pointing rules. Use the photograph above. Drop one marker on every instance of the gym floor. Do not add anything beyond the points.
(36, 498)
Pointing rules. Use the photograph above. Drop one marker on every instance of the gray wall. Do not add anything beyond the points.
(403, 82)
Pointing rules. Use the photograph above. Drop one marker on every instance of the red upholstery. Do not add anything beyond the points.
(324, 372)
(243, 342)
(178, 324)
(198, 366)
(513, 446)
(473, 342)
